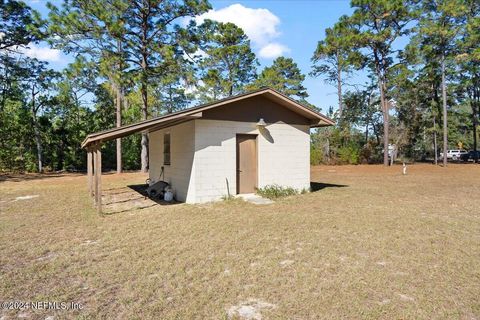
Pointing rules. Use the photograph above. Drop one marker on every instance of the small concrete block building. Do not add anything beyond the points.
(231, 146)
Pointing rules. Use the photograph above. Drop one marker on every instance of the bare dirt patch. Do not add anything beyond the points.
(249, 310)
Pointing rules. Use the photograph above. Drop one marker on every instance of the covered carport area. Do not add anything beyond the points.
(93, 145)
(244, 112)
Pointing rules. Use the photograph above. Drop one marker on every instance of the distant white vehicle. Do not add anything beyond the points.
(454, 154)
(391, 149)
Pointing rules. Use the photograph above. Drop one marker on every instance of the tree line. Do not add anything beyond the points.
(137, 59)
(422, 60)
(133, 60)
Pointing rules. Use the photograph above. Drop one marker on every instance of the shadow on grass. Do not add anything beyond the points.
(131, 198)
(142, 190)
(317, 186)
(32, 176)
(23, 177)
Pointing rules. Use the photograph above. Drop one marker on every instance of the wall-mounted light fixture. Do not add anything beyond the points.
(261, 123)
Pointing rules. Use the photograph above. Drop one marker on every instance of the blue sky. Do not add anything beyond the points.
(287, 27)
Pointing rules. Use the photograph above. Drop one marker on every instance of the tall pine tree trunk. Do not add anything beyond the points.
(445, 122)
(475, 123)
(144, 92)
(339, 92)
(382, 87)
(475, 103)
(435, 145)
(118, 114)
(384, 104)
(38, 142)
(36, 132)
(144, 142)
(435, 139)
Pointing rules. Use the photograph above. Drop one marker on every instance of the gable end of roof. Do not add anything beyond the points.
(318, 119)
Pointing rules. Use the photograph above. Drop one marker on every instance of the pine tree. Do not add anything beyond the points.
(439, 26)
(38, 81)
(228, 63)
(284, 76)
(468, 58)
(378, 24)
(153, 34)
(18, 25)
(336, 56)
(94, 29)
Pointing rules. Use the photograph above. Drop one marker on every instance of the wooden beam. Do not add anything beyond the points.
(127, 130)
(90, 171)
(197, 115)
(98, 182)
(170, 124)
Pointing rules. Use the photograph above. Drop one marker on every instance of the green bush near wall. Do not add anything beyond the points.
(275, 191)
(316, 156)
(349, 154)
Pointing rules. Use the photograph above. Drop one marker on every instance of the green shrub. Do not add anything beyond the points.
(366, 154)
(316, 156)
(275, 191)
(349, 154)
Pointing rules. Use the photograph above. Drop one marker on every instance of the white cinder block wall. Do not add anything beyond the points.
(203, 157)
(284, 160)
(180, 174)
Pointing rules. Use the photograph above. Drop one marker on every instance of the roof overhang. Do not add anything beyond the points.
(316, 118)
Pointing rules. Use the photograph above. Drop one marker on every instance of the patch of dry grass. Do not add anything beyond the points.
(382, 246)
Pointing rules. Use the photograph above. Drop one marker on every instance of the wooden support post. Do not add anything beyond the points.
(98, 178)
(90, 171)
(95, 173)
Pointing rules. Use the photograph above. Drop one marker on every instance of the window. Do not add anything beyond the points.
(166, 148)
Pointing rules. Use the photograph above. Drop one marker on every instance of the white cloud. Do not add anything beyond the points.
(273, 50)
(195, 56)
(260, 25)
(41, 53)
(193, 88)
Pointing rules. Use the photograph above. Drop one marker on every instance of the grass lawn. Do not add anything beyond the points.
(370, 244)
